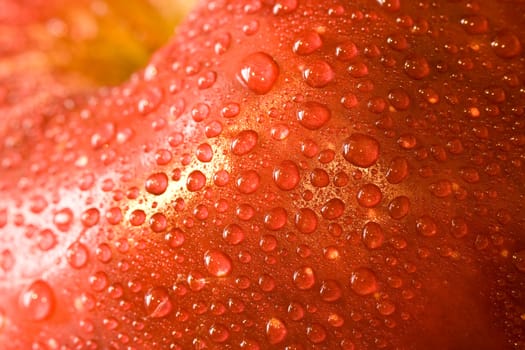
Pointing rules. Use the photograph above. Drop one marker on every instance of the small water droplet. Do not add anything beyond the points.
(218, 333)
(399, 99)
(506, 45)
(363, 281)
(346, 51)
(307, 43)
(373, 235)
(284, 6)
(416, 67)
(37, 301)
(361, 150)
(103, 253)
(98, 281)
(63, 219)
(399, 207)
(475, 24)
(316, 333)
(46, 240)
(244, 142)
(304, 278)
(258, 72)
(217, 263)
(77, 255)
(313, 115)
(518, 259)
(90, 217)
(204, 153)
(318, 74)
(157, 302)
(426, 226)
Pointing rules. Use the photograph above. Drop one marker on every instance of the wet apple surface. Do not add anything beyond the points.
(282, 175)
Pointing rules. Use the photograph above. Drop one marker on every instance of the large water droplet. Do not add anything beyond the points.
(369, 196)
(258, 72)
(373, 235)
(306, 220)
(363, 281)
(37, 301)
(286, 175)
(330, 290)
(157, 183)
(218, 333)
(217, 263)
(244, 142)
(248, 181)
(333, 209)
(196, 181)
(313, 115)
(307, 43)
(275, 219)
(397, 171)
(416, 67)
(318, 74)
(399, 207)
(304, 278)
(157, 302)
(426, 226)
(506, 45)
(361, 150)
(276, 331)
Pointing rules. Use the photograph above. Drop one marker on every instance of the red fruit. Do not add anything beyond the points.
(283, 174)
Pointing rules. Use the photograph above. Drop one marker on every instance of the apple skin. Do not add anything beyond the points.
(281, 175)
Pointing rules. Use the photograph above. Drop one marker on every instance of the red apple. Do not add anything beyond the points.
(282, 175)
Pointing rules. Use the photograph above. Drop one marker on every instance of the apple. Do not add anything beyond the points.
(288, 174)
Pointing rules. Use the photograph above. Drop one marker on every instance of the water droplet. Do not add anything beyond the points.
(397, 171)
(316, 333)
(196, 181)
(158, 222)
(244, 142)
(518, 259)
(103, 253)
(306, 220)
(506, 45)
(46, 240)
(157, 183)
(426, 226)
(390, 5)
(218, 333)
(77, 255)
(284, 6)
(369, 196)
(319, 178)
(157, 302)
(475, 24)
(399, 207)
(416, 67)
(217, 263)
(63, 219)
(206, 80)
(114, 216)
(37, 301)
(346, 51)
(313, 115)
(304, 278)
(233, 234)
(137, 217)
(267, 283)
(333, 209)
(373, 235)
(318, 74)
(363, 281)
(98, 281)
(175, 238)
(90, 217)
(358, 69)
(397, 41)
(307, 43)
(258, 72)
(361, 150)
(330, 290)
(441, 189)
(286, 175)
(248, 181)
(386, 307)
(276, 331)
(459, 227)
(399, 99)
(275, 219)
(204, 153)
